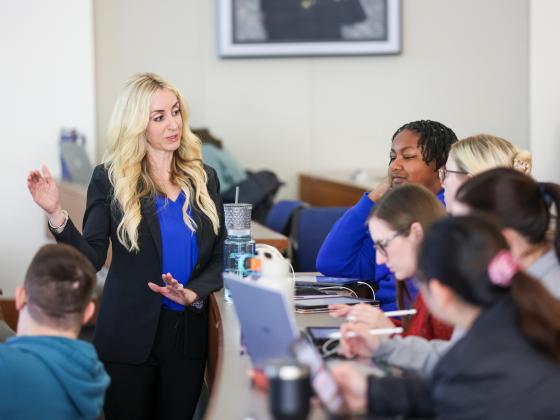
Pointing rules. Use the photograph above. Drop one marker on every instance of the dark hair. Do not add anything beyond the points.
(435, 140)
(59, 284)
(516, 200)
(400, 208)
(457, 252)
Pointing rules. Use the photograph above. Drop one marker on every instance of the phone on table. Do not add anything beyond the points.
(322, 381)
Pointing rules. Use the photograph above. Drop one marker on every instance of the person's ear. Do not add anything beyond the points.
(88, 313)
(21, 298)
(417, 232)
(440, 293)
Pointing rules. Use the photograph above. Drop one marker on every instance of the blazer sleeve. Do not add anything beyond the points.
(94, 242)
(209, 278)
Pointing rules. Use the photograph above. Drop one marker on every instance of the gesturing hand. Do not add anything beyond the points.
(174, 290)
(44, 190)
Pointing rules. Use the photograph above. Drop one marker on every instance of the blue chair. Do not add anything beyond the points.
(280, 215)
(310, 227)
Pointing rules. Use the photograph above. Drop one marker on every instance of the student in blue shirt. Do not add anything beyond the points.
(418, 150)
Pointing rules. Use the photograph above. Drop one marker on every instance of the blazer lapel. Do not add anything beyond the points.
(148, 209)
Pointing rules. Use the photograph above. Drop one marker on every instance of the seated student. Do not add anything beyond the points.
(506, 366)
(418, 150)
(522, 206)
(397, 225)
(476, 154)
(45, 371)
(467, 158)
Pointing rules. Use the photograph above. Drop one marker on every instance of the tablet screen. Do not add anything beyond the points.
(321, 334)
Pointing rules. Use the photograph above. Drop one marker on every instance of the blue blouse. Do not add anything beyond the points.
(179, 245)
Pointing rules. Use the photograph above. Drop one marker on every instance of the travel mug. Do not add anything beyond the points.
(289, 390)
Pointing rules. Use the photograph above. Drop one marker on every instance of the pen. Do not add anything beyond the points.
(376, 331)
(389, 314)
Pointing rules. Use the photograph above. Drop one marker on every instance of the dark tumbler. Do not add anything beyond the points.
(289, 391)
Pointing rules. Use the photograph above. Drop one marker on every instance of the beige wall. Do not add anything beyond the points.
(47, 82)
(545, 88)
(464, 62)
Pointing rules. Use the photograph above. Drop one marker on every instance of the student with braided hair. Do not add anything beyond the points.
(506, 366)
(418, 150)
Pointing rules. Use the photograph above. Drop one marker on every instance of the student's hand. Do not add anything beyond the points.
(362, 343)
(380, 190)
(369, 315)
(353, 386)
(174, 290)
(44, 190)
(339, 310)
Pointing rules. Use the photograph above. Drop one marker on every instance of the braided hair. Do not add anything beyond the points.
(435, 140)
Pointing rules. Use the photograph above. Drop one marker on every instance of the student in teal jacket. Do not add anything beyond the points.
(46, 373)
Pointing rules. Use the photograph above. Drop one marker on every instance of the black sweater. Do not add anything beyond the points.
(493, 372)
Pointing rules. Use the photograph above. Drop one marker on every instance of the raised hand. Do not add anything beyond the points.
(174, 290)
(44, 190)
(380, 190)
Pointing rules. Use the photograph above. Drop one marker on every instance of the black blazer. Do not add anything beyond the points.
(129, 312)
(493, 372)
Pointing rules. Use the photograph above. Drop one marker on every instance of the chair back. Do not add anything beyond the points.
(310, 227)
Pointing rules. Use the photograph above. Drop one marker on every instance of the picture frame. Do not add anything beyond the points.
(281, 28)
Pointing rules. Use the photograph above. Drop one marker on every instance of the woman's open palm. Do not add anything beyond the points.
(44, 190)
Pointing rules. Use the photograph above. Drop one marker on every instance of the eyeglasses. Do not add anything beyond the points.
(442, 172)
(382, 244)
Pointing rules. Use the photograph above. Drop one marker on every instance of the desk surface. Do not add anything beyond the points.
(232, 395)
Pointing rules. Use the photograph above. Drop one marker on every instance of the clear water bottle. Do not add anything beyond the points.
(238, 244)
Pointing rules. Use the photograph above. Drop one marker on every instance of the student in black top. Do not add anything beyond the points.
(151, 333)
(507, 365)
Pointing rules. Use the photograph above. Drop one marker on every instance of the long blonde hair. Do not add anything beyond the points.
(126, 160)
(479, 153)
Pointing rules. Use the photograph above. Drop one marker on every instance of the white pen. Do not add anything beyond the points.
(388, 314)
(375, 331)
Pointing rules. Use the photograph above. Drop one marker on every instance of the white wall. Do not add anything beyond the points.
(545, 88)
(47, 81)
(464, 62)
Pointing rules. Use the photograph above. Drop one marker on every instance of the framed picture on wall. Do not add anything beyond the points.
(273, 28)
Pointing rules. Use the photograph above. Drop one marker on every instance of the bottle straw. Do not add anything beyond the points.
(236, 194)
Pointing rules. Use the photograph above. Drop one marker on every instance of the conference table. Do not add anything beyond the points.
(231, 394)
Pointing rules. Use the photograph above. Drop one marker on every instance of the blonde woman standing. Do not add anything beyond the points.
(160, 207)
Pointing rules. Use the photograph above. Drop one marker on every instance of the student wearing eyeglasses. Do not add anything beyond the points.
(397, 225)
(468, 157)
(507, 364)
(418, 150)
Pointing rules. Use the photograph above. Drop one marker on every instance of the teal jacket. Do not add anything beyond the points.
(45, 377)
